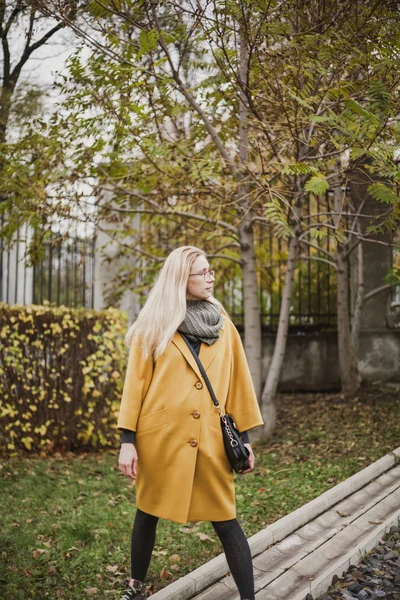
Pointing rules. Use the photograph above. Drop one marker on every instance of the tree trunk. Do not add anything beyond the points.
(356, 321)
(5, 107)
(268, 409)
(252, 323)
(252, 320)
(348, 368)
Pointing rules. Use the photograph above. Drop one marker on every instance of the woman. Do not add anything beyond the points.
(171, 436)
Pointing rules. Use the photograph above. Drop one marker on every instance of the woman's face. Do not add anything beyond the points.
(199, 287)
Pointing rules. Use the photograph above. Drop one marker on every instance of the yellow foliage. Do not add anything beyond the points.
(41, 430)
(27, 442)
(72, 375)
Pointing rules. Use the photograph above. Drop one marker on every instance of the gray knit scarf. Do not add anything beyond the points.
(203, 321)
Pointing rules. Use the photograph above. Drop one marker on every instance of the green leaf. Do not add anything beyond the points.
(300, 101)
(317, 184)
(357, 153)
(383, 193)
(299, 169)
(359, 110)
(148, 40)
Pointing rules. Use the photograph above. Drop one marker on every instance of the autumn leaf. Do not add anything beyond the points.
(93, 591)
(165, 574)
(112, 568)
(185, 530)
(204, 536)
(38, 552)
(174, 558)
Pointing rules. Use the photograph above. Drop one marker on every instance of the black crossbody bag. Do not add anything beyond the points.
(236, 451)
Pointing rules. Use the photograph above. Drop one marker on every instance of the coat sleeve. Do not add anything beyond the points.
(138, 377)
(242, 400)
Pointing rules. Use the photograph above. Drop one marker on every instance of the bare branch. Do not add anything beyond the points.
(17, 10)
(30, 49)
(320, 259)
(328, 254)
(379, 290)
(193, 103)
(135, 248)
(172, 212)
(224, 257)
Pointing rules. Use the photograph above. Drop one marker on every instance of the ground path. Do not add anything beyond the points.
(301, 553)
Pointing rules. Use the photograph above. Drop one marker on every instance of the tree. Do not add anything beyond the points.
(15, 16)
(26, 160)
(273, 95)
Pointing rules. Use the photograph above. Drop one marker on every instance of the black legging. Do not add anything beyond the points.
(233, 540)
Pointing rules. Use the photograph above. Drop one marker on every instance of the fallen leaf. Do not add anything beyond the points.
(93, 591)
(38, 552)
(164, 574)
(204, 536)
(185, 530)
(174, 558)
(111, 568)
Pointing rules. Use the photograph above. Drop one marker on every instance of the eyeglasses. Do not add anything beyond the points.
(206, 274)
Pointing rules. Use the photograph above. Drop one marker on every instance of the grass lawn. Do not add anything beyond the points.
(66, 520)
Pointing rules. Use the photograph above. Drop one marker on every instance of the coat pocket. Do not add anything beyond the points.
(151, 421)
(215, 419)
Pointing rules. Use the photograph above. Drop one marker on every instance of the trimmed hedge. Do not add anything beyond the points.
(61, 377)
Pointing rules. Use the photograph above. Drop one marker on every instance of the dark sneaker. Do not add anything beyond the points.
(135, 592)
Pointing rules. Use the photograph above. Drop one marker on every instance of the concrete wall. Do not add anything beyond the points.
(311, 360)
(106, 264)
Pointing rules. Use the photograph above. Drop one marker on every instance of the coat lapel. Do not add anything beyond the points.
(207, 353)
(183, 347)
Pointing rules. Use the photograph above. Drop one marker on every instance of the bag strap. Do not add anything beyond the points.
(202, 371)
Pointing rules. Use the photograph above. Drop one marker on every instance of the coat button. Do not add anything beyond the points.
(193, 443)
(196, 414)
(199, 385)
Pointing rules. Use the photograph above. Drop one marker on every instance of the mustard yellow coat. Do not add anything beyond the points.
(183, 472)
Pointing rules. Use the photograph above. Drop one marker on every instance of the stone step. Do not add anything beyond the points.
(363, 505)
(291, 567)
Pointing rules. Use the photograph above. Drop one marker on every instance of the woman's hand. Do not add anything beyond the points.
(128, 460)
(251, 460)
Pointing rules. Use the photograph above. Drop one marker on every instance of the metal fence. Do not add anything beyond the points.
(63, 273)
(314, 287)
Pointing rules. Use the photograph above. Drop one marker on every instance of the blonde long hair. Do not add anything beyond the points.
(165, 307)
